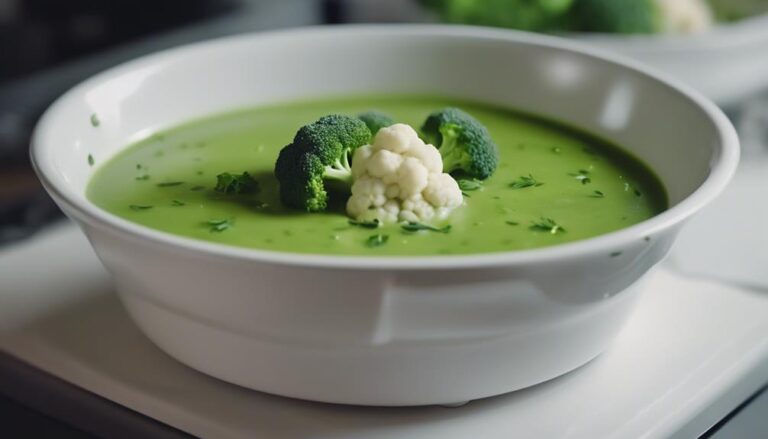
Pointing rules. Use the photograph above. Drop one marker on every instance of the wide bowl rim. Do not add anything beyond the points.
(722, 166)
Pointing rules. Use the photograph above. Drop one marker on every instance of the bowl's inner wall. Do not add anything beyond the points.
(654, 121)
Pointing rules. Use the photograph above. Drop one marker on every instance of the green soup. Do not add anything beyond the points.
(583, 186)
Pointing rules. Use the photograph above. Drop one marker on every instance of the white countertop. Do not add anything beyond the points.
(692, 351)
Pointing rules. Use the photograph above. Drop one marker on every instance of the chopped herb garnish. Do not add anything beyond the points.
(143, 177)
(557, 150)
(219, 225)
(597, 194)
(170, 183)
(197, 188)
(236, 184)
(615, 254)
(177, 203)
(373, 224)
(470, 185)
(512, 223)
(95, 120)
(138, 166)
(583, 179)
(376, 240)
(547, 225)
(525, 181)
(581, 175)
(415, 227)
(138, 207)
(638, 193)
(647, 239)
(91, 161)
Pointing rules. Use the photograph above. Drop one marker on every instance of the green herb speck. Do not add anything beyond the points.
(525, 181)
(139, 207)
(170, 183)
(415, 227)
(470, 185)
(177, 203)
(91, 161)
(95, 120)
(236, 183)
(376, 240)
(512, 223)
(548, 225)
(615, 254)
(373, 224)
(597, 194)
(219, 225)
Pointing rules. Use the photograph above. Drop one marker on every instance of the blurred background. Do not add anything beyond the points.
(48, 46)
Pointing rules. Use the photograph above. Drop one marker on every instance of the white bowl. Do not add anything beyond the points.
(384, 330)
(727, 64)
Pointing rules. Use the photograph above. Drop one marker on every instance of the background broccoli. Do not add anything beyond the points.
(617, 16)
(463, 142)
(376, 120)
(534, 15)
(318, 160)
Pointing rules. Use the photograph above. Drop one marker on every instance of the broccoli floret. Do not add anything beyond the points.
(618, 16)
(532, 15)
(463, 142)
(318, 160)
(376, 120)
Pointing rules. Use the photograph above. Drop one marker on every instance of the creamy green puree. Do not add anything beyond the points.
(553, 184)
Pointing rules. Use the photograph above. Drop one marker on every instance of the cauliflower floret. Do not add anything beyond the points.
(428, 155)
(412, 177)
(400, 178)
(360, 161)
(684, 16)
(443, 190)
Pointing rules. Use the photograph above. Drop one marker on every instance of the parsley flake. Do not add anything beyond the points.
(412, 226)
(470, 185)
(373, 224)
(597, 194)
(236, 184)
(548, 225)
(525, 181)
(91, 161)
(376, 240)
(177, 203)
(170, 183)
(95, 120)
(139, 207)
(219, 225)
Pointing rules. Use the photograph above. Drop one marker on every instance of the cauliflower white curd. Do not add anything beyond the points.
(400, 178)
(684, 16)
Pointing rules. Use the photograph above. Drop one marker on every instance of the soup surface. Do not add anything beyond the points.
(553, 184)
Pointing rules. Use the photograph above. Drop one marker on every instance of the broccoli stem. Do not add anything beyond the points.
(453, 157)
(340, 171)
